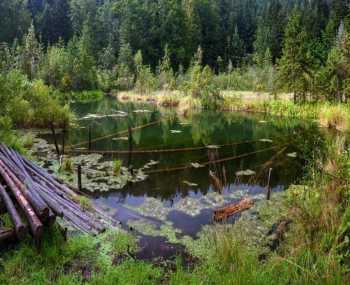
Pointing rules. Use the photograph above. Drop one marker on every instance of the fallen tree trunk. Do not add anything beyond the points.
(224, 213)
(19, 226)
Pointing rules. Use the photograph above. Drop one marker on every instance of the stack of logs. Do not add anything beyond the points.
(33, 199)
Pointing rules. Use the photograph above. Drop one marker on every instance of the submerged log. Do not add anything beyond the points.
(20, 227)
(224, 213)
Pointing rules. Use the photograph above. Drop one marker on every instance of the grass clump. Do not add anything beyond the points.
(81, 260)
(87, 96)
(334, 117)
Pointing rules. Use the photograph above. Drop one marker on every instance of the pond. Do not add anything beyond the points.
(194, 164)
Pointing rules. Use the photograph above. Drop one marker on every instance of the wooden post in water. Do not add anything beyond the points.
(130, 145)
(268, 194)
(63, 137)
(89, 137)
(55, 139)
(79, 178)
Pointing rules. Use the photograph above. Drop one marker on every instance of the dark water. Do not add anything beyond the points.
(247, 141)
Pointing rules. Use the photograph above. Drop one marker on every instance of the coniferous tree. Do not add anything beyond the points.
(294, 64)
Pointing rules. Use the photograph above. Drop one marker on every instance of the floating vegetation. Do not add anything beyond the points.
(292, 154)
(212, 147)
(150, 164)
(247, 172)
(120, 139)
(102, 116)
(141, 111)
(196, 165)
(263, 122)
(175, 131)
(189, 183)
(266, 140)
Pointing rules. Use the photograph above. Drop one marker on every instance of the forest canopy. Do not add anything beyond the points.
(93, 44)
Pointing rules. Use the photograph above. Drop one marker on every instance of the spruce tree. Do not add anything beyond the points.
(294, 64)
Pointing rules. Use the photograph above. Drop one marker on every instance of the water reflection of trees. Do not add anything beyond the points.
(205, 128)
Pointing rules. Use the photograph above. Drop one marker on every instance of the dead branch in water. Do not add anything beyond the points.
(222, 214)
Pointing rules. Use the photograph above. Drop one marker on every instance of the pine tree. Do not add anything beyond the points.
(31, 53)
(294, 64)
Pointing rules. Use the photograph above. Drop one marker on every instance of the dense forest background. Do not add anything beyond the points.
(106, 44)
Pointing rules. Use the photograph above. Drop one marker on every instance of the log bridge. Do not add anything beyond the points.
(33, 199)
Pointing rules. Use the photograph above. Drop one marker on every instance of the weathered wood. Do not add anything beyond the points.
(223, 213)
(79, 178)
(7, 234)
(34, 222)
(38, 205)
(268, 192)
(2, 207)
(55, 139)
(19, 226)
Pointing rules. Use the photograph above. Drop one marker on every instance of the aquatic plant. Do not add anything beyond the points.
(117, 164)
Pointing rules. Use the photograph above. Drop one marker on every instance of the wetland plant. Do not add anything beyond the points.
(334, 117)
(117, 164)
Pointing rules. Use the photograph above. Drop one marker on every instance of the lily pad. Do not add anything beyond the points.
(196, 165)
(189, 183)
(266, 140)
(212, 147)
(142, 111)
(292, 154)
(247, 172)
(175, 131)
(120, 139)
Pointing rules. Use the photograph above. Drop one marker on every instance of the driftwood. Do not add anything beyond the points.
(224, 213)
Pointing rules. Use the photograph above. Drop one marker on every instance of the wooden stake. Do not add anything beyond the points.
(268, 194)
(55, 139)
(89, 137)
(79, 178)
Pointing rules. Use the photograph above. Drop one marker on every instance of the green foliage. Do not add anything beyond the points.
(117, 164)
(86, 96)
(294, 64)
(145, 80)
(81, 260)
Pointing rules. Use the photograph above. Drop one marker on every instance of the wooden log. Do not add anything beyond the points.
(2, 207)
(223, 213)
(7, 234)
(38, 205)
(19, 226)
(45, 176)
(34, 222)
(20, 162)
